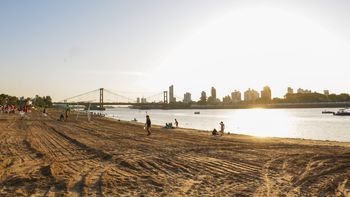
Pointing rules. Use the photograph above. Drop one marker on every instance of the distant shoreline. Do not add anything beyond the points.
(245, 106)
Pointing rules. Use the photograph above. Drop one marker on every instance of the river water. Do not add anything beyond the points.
(291, 123)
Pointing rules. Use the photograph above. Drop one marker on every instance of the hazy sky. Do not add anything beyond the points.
(63, 48)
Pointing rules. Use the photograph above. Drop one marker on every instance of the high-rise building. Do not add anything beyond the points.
(138, 100)
(212, 98)
(227, 99)
(266, 93)
(213, 93)
(172, 99)
(326, 92)
(236, 96)
(143, 100)
(203, 96)
(187, 97)
(290, 90)
(251, 95)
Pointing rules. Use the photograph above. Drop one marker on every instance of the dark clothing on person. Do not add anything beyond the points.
(148, 125)
(148, 122)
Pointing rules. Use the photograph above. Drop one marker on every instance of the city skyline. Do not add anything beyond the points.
(62, 49)
(235, 96)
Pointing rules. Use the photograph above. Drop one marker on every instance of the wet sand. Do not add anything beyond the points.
(41, 156)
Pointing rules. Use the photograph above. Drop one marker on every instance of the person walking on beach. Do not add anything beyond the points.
(148, 125)
(222, 128)
(67, 113)
(176, 123)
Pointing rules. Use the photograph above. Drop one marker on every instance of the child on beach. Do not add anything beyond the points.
(176, 123)
(148, 125)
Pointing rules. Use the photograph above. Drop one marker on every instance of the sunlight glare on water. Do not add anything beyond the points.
(262, 122)
(291, 123)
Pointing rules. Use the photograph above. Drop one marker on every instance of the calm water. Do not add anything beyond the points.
(293, 123)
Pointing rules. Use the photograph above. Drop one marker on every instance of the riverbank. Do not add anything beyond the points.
(242, 105)
(42, 156)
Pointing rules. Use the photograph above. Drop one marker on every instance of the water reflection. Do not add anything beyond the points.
(293, 123)
(263, 122)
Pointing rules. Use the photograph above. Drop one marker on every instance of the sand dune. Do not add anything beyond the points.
(41, 156)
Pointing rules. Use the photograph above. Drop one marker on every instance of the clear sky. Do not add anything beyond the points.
(63, 48)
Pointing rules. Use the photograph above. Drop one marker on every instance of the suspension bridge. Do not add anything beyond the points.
(104, 97)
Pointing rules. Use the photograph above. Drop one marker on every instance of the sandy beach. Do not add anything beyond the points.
(40, 156)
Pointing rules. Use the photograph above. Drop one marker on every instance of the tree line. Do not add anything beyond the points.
(37, 101)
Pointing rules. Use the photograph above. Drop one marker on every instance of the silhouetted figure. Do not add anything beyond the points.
(148, 125)
(61, 118)
(222, 128)
(67, 113)
(214, 132)
(176, 123)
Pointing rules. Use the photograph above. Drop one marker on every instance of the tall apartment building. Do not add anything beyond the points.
(266, 93)
(251, 95)
(187, 97)
(172, 99)
(236, 96)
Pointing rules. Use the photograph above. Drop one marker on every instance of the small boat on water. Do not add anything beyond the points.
(197, 112)
(342, 112)
(327, 112)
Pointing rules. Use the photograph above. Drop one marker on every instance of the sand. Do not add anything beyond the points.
(40, 156)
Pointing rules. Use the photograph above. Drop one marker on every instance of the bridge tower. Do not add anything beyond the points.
(101, 98)
(165, 96)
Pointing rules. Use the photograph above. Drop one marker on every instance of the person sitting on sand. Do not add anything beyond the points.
(214, 132)
(61, 118)
(176, 123)
(222, 128)
(168, 126)
(148, 125)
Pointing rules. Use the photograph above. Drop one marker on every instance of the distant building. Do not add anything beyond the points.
(203, 96)
(236, 96)
(227, 99)
(326, 92)
(251, 95)
(290, 90)
(213, 97)
(266, 93)
(138, 100)
(213, 93)
(172, 99)
(187, 97)
(302, 91)
(143, 100)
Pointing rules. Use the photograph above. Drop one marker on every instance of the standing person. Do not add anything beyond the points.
(176, 123)
(67, 110)
(148, 125)
(222, 128)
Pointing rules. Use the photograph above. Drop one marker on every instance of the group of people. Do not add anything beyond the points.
(170, 125)
(148, 127)
(65, 116)
(13, 108)
(8, 109)
(149, 123)
(221, 132)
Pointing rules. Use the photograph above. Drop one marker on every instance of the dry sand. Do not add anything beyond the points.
(41, 156)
